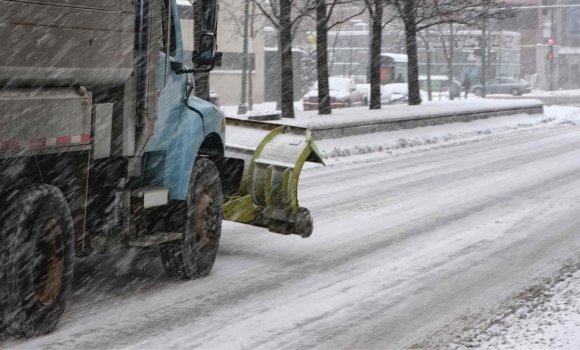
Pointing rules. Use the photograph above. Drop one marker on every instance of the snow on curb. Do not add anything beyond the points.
(393, 143)
(361, 116)
(389, 144)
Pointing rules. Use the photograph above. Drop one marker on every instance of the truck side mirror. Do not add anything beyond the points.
(206, 52)
(209, 11)
(204, 59)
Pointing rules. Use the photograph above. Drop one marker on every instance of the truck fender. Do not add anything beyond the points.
(182, 153)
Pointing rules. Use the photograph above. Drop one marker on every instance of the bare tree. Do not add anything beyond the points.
(418, 15)
(284, 15)
(424, 36)
(448, 52)
(325, 9)
(201, 79)
(450, 43)
(333, 50)
(378, 22)
(375, 8)
(376, 12)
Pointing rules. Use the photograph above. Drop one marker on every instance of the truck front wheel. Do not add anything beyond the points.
(200, 220)
(39, 256)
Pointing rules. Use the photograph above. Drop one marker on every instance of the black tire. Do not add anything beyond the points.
(6, 196)
(477, 91)
(39, 257)
(304, 223)
(194, 255)
(516, 92)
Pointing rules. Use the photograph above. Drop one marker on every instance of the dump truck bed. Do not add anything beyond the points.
(62, 43)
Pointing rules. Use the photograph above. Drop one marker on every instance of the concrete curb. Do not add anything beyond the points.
(331, 127)
(338, 131)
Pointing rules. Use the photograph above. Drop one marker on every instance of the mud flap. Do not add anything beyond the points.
(268, 194)
(231, 172)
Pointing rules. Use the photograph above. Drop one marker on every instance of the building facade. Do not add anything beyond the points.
(226, 81)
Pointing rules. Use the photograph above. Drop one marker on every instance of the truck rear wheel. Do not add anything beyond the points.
(200, 220)
(39, 254)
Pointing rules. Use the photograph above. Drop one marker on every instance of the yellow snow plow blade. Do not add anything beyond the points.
(268, 194)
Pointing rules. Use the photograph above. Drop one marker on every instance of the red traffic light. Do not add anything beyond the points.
(551, 42)
(550, 57)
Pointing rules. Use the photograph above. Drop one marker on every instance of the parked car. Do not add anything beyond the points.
(365, 90)
(394, 93)
(343, 93)
(512, 86)
(397, 93)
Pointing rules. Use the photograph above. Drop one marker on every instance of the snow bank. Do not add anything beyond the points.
(549, 321)
(384, 145)
(394, 143)
(545, 315)
(541, 93)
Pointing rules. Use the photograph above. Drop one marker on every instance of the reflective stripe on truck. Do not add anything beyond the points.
(45, 142)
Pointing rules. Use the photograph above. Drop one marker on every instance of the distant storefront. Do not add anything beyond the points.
(503, 60)
(349, 55)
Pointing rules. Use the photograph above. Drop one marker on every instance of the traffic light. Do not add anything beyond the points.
(551, 49)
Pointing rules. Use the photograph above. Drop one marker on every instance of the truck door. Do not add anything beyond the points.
(171, 87)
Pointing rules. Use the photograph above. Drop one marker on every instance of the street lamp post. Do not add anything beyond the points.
(551, 65)
(484, 59)
(243, 107)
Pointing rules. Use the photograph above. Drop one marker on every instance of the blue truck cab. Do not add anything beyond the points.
(185, 123)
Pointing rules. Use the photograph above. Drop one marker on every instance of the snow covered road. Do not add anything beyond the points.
(400, 249)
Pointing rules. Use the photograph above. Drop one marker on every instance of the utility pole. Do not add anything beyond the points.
(243, 107)
(551, 45)
(483, 58)
(252, 62)
(370, 49)
(551, 65)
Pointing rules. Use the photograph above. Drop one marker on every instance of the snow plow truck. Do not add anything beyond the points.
(104, 145)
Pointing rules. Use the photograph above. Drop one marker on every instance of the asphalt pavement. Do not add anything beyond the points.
(401, 248)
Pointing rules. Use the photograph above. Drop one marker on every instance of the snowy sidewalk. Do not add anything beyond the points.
(550, 98)
(361, 121)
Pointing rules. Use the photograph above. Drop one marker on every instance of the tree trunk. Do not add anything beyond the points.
(287, 71)
(251, 87)
(483, 59)
(429, 68)
(243, 108)
(252, 62)
(376, 43)
(334, 44)
(324, 106)
(413, 65)
(450, 61)
(429, 84)
(201, 79)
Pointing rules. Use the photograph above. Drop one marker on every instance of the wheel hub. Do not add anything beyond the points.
(49, 268)
(205, 222)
